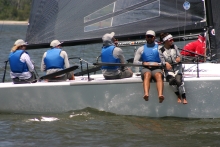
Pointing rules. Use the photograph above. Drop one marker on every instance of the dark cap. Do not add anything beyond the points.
(202, 34)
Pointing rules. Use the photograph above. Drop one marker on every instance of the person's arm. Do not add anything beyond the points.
(27, 59)
(118, 53)
(43, 66)
(138, 54)
(64, 55)
(163, 61)
(162, 58)
(178, 58)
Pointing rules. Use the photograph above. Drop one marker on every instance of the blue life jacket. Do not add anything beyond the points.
(107, 56)
(53, 59)
(150, 54)
(15, 64)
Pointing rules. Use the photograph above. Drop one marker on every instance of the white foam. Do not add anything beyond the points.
(81, 114)
(47, 119)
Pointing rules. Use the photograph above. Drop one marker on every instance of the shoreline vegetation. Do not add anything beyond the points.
(12, 22)
(15, 10)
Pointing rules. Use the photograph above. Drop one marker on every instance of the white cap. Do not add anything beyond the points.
(108, 37)
(20, 42)
(150, 32)
(55, 43)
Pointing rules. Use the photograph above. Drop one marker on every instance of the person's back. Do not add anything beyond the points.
(112, 54)
(22, 68)
(197, 47)
(55, 59)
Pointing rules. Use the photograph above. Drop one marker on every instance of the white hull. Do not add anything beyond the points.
(122, 96)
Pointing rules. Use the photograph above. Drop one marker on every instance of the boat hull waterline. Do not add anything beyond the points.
(123, 97)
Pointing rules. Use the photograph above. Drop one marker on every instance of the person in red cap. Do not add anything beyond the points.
(197, 47)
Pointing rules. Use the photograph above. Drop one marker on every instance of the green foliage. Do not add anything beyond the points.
(15, 9)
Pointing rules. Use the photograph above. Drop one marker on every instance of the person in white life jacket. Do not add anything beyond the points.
(22, 68)
(56, 59)
(170, 55)
(149, 55)
(112, 54)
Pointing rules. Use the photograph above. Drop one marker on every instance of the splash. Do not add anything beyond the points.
(81, 114)
(45, 119)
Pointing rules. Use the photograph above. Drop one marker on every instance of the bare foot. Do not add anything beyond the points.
(178, 100)
(161, 98)
(146, 97)
(185, 101)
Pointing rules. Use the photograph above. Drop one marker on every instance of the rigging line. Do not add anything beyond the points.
(178, 19)
(185, 24)
(207, 42)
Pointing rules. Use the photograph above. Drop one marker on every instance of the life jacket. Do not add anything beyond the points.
(107, 56)
(150, 54)
(15, 64)
(53, 59)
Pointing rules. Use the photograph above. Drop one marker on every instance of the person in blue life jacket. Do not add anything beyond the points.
(22, 68)
(170, 54)
(149, 55)
(112, 54)
(56, 59)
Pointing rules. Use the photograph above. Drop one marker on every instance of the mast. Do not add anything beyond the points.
(210, 30)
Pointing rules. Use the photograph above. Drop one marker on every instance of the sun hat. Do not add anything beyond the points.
(150, 32)
(20, 42)
(55, 43)
(108, 37)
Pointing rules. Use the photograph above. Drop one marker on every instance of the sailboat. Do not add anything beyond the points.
(84, 22)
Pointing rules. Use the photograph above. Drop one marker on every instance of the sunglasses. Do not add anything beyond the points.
(149, 36)
(170, 40)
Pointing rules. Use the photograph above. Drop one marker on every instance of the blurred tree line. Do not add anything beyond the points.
(15, 9)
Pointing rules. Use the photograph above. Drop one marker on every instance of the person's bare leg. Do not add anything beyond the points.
(146, 85)
(72, 77)
(160, 84)
(178, 99)
(185, 101)
(184, 98)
